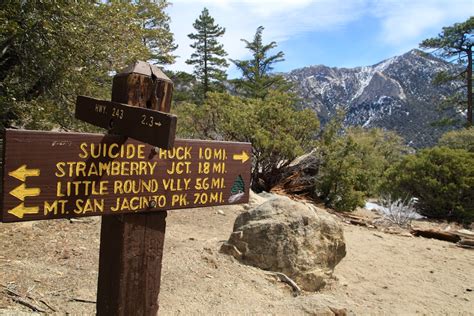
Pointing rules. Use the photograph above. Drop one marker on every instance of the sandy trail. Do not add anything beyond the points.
(56, 261)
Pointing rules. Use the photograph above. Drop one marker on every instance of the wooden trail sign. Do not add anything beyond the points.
(149, 126)
(56, 175)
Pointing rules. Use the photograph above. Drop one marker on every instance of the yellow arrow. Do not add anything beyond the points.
(21, 210)
(21, 173)
(21, 191)
(243, 156)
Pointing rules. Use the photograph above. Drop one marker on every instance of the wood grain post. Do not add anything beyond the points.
(131, 246)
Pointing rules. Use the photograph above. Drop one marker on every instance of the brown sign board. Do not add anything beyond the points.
(49, 175)
(146, 125)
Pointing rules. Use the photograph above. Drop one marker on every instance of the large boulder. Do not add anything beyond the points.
(290, 237)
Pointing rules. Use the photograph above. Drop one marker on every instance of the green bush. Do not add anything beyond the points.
(338, 175)
(460, 139)
(277, 130)
(442, 181)
(353, 163)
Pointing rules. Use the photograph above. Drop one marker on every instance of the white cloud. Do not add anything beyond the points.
(401, 21)
(404, 21)
(282, 20)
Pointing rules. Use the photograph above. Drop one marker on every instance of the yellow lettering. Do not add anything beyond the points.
(97, 154)
(125, 205)
(152, 167)
(117, 206)
(118, 187)
(187, 181)
(112, 151)
(83, 147)
(50, 208)
(167, 184)
(93, 171)
(130, 186)
(179, 153)
(179, 199)
(187, 153)
(99, 205)
(204, 167)
(141, 151)
(200, 198)
(103, 187)
(81, 169)
(179, 167)
(161, 201)
(104, 166)
(58, 206)
(163, 154)
(89, 206)
(175, 184)
(136, 206)
(134, 168)
(130, 151)
(71, 169)
(111, 154)
(124, 170)
(60, 166)
(202, 184)
(218, 167)
(58, 190)
(214, 197)
(217, 183)
(115, 168)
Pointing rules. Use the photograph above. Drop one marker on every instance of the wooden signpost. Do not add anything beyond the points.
(130, 182)
(149, 126)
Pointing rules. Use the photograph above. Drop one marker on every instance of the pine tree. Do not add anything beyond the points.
(156, 36)
(208, 58)
(257, 79)
(456, 42)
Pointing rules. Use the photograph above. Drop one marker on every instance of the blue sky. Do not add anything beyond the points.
(339, 33)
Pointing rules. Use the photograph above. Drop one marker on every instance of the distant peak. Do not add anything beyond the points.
(414, 54)
(417, 53)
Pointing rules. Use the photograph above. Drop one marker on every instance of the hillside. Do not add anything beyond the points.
(395, 94)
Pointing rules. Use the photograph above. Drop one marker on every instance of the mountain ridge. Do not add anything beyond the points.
(394, 94)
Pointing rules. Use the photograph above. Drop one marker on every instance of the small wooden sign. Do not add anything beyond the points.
(149, 126)
(50, 175)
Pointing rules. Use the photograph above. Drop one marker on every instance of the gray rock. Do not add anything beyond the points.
(231, 250)
(294, 238)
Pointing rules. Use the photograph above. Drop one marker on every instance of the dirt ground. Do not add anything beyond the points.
(53, 266)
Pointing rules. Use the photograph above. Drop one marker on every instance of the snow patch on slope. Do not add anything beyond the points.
(366, 74)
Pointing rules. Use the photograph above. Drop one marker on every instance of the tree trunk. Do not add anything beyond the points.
(469, 87)
(206, 75)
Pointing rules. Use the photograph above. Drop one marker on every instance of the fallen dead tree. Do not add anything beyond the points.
(436, 234)
(299, 177)
(466, 243)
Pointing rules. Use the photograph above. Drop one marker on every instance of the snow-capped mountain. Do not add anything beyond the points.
(395, 94)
